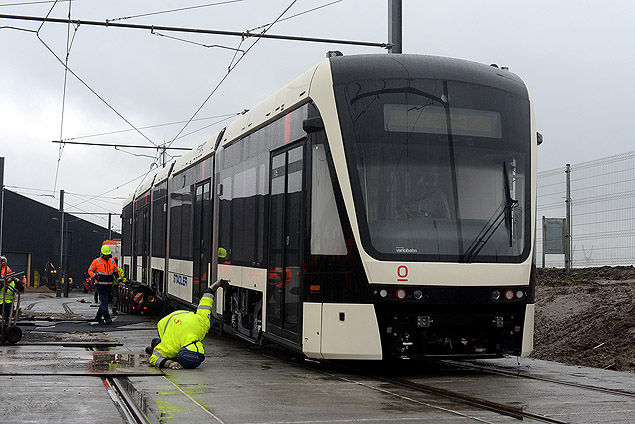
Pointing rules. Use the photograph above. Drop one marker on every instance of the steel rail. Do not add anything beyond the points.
(483, 404)
(499, 408)
(133, 409)
(67, 308)
(483, 368)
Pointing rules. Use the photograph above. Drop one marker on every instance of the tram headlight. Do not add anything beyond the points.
(520, 294)
(383, 293)
(418, 294)
(496, 295)
(401, 294)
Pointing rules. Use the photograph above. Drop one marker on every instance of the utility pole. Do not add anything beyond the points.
(567, 237)
(1, 199)
(61, 252)
(109, 225)
(394, 26)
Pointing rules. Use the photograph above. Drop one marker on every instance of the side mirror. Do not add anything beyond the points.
(539, 138)
(311, 125)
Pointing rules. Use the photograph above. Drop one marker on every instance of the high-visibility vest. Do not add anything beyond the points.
(8, 297)
(103, 270)
(4, 271)
(180, 329)
(122, 275)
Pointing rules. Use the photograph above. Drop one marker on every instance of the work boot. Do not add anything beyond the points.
(149, 350)
(114, 312)
(108, 322)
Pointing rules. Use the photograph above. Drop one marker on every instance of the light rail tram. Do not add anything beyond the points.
(378, 206)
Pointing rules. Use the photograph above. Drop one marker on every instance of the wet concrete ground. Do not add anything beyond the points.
(50, 376)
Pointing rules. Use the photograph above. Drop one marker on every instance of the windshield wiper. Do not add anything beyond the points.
(503, 213)
(400, 90)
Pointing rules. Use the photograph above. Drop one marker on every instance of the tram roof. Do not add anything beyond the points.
(144, 186)
(347, 69)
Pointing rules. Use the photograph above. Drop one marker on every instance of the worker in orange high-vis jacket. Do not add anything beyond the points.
(104, 271)
(181, 334)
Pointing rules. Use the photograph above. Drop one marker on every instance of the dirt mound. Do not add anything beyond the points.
(587, 317)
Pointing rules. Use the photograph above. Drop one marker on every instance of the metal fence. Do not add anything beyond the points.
(602, 211)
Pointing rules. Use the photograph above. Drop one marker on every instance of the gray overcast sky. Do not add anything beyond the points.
(576, 57)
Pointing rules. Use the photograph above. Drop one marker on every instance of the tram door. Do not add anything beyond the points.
(201, 239)
(285, 245)
(145, 243)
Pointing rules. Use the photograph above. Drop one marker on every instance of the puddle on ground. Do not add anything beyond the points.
(98, 361)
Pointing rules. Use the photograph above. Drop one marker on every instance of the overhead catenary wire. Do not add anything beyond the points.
(226, 115)
(115, 145)
(69, 43)
(46, 192)
(242, 34)
(299, 14)
(231, 67)
(209, 46)
(173, 10)
(29, 3)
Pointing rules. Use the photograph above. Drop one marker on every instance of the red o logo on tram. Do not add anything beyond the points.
(402, 273)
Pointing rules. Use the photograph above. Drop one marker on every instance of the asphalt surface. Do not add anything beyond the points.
(57, 373)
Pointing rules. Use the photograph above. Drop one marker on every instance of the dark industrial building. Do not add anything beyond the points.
(30, 240)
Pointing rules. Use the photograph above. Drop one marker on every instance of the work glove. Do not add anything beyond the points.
(220, 283)
(173, 365)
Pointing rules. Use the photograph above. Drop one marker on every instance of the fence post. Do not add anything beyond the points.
(567, 236)
(544, 234)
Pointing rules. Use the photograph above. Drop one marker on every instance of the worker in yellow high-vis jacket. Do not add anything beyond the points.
(181, 334)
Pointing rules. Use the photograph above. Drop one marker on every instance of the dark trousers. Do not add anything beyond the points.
(103, 291)
(115, 297)
(8, 308)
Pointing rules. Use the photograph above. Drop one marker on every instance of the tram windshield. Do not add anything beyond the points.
(440, 170)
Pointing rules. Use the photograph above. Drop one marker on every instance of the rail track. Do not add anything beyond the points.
(120, 396)
(340, 371)
(498, 371)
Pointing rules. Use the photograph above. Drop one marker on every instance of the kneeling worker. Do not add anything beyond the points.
(181, 333)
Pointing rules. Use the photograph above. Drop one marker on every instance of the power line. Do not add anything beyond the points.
(227, 115)
(232, 66)
(28, 3)
(42, 190)
(69, 44)
(209, 46)
(131, 146)
(300, 14)
(172, 10)
(243, 34)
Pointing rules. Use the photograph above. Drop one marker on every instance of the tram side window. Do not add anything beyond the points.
(244, 216)
(138, 228)
(158, 224)
(224, 211)
(243, 204)
(326, 229)
(181, 224)
(175, 226)
(126, 228)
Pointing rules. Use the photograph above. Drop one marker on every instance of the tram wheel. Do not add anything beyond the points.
(13, 334)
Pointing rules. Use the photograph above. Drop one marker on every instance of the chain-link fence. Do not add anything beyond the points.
(602, 211)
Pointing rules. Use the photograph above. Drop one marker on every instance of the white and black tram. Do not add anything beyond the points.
(378, 206)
